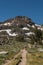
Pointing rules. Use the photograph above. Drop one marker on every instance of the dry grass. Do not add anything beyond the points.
(35, 58)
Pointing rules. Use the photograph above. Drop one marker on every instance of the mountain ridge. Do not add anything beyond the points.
(22, 28)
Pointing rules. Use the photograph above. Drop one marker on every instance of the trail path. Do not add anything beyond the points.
(23, 54)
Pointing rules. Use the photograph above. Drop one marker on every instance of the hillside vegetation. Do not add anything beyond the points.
(17, 34)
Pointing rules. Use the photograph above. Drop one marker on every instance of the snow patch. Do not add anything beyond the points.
(7, 24)
(29, 33)
(33, 26)
(25, 28)
(40, 28)
(37, 25)
(28, 25)
(3, 52)
(40, 49)
(9, 32)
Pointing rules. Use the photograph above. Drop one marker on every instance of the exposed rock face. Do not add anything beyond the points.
(18, 20)
(21, 27)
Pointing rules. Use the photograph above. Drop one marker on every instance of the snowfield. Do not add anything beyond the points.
(9, 32)
(40, 49)
(28, 25)
(3, 52)
(29, 33)
(40, 28)
(25, 28)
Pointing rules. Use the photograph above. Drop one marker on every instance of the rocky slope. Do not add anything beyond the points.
(21, 28)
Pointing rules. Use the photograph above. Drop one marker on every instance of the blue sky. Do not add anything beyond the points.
(29, 8)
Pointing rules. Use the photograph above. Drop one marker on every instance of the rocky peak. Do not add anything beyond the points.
(18, 19)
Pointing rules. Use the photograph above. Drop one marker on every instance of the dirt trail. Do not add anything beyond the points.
(23, 54)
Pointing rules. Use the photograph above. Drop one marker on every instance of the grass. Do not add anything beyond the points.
(12, 50)
(35, 58)
(10, 57)
(2, 59)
